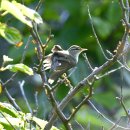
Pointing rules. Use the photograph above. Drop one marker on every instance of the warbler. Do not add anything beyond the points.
(60, 61)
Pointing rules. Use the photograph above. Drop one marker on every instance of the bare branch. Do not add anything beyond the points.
(12, 100)
(109, 72)
(108, 120)
(39, 5)
(81, 104)
(25, 49)
(59, 82)
(21, 84)
(82, 84)
(95, 35)
(123, 106)
(87, 61)
(9, 80)
(57, 110)
(115, 125)
(80, 125)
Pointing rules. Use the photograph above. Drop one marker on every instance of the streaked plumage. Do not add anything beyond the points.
(60, 61)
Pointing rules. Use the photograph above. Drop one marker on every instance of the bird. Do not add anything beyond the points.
(60, 61)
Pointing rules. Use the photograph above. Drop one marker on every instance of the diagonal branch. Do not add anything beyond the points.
(81, 104)
(81, 85)
(108, 120)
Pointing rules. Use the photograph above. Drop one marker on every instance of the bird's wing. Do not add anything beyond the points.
(60, 64)
(61, 61)
(56, 48)
(47, 61)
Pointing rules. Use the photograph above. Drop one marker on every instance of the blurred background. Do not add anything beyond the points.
(70, 24)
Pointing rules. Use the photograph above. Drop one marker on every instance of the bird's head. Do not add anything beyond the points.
(75, 50)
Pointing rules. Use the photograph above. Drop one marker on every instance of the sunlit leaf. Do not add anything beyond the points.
(6, 59)
(8, 109)
(12, 119)
(21, 12)
(40, 122)
(11, 34)
(19, 67)
(30, 13)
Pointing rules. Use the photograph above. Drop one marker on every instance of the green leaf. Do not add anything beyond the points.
(8, 109)
(21, 12)
(11, 34)
(19, 67)
(10, 118)
(41, 122)
(9, 123)
(32, 14)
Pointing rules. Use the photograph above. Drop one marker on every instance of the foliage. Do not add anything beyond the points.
(18, 67)
(12, 119)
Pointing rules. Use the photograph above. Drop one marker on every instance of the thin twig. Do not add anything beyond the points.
(125, 17)
(108, 120)
(48, 39)
(43, 52)
(59, 82)
(9, 80)
(123, 106)
(124, 66)
(109, 72)
(80, 125)
(115, 125)
(8, 120)
(21, 84)
(128, 11)
(25, 49)
(95, 35)
(39, 49)
(39, 5)
(12, 100)
(87, 61)
(81, 104)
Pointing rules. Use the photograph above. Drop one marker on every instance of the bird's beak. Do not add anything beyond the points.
(83, 49)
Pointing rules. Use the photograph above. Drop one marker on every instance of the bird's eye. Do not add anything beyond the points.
(76, 48)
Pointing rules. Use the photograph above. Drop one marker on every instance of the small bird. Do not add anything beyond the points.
(60, 61)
